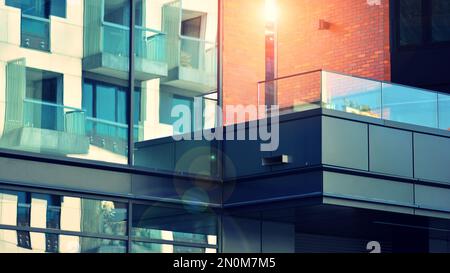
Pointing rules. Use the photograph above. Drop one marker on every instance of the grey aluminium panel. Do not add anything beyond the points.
(368, 189)
(432, 157)
(391, 151)
(435, 198)
(64, 177)
(345, 143)
(300, 139)
(243, 157)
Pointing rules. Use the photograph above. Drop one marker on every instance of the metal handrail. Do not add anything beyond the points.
(112, 123)
(53, 104)
(37, 18)
(197, 40)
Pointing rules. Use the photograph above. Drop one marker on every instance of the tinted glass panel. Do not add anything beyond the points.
(411, 22)
(176, 71)
(63, 212)
(12, 241)
(440, 20)
(174, 224)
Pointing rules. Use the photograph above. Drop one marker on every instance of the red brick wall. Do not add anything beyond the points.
(356, 43)
(243, 50)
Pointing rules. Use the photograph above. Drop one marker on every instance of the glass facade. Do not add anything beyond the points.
(65, 75)
(42, 222)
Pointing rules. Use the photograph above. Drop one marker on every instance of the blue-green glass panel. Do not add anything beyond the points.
(409, 105)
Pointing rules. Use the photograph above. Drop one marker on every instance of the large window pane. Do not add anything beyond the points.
(63, 212)
(141, 247)
(105, 78)
(12, 241)
(48, 96)
(174, 224)
(176, 71)
(440, 20)
(411, 24)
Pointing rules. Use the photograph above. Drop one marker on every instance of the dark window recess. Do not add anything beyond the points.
(423, 23)
(40, 8)
(23, 209)
(23, 239)
(440, 20)
(411, 22)
(44, 87)
(105, 106)
(192, 27)
(168, 101)
(51, 243)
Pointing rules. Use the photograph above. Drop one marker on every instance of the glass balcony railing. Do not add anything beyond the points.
(198, 54)
(55, 117)
(149, 44)
(356, 95)
(35, 32)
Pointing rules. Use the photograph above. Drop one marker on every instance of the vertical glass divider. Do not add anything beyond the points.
(381, 101)
(130, 97)
(437, 111)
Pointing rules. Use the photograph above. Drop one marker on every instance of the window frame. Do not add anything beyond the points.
(426, 42)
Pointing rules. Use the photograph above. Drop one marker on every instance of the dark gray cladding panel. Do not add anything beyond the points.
(345, 143)
(368, 189)
(434, 198)
(300, 139)
(391, 151)
(272, 187)
(160, 156)
(432, 157)
(64, 177)
(176, 189)
(241, 235)
(243, 157)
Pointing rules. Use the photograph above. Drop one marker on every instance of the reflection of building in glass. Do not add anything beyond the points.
(79, 109)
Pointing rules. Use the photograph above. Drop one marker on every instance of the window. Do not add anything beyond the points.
(410, 22)
(40, 8)
(35, 23)
(423, 22)
(106, 111)
(440, 20)
(44, 92)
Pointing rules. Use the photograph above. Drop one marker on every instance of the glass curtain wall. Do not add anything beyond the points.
(64, 69)
(64, 80)
(32, 222)
(176, 73)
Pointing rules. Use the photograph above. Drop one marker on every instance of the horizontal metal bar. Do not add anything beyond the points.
(175, 243)
(150, 30)
(52, 104)
(36, 18)
(114, 25)
(65, 232)
(196, 40)
(107, 122)
(291, 76)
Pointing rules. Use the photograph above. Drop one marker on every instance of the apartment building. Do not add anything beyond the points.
(89, 98)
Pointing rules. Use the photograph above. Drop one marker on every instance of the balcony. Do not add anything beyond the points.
(107, 49)
(47, 127)
(193, 65)
(364, 97)
(35, 32)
